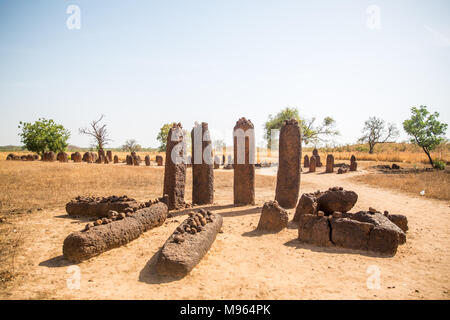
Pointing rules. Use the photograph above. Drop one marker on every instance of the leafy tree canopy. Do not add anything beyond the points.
(43, 136)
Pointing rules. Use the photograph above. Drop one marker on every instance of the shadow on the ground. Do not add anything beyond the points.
(237, 213)
(76, 218)
(57, 262)
(149, 274)
(301, 245)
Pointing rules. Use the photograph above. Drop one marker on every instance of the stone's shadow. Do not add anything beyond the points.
(257, 233)
(57, 262)
(206, 207)
(78, 218)
(149, 274)
(240, 212)
(302, 245)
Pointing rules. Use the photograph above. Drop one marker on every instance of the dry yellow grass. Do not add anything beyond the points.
(436, 183)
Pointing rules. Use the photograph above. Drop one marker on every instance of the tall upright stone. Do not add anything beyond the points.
(147, 160)
(353, 163)
(244, 162)
(330, 163)
(306, 161)
(352, 158)
(317, 157)
(202, 165)
(289, 164)
(175, 168)
(109, 155)
(116, 159)
(159, 160)
(312, 164)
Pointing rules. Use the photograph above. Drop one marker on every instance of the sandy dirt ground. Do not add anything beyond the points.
(244, 263)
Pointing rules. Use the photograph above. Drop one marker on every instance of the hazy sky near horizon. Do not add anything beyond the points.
(146, 63)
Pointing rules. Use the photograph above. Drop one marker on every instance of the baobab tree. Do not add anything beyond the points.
(98, 132)
(375, 131)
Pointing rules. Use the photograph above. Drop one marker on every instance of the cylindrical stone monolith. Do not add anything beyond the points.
(289, 164)
(244, 162)
(330, 163)
(312, 164)
(202, 166)
(175, 169)
(306, 161)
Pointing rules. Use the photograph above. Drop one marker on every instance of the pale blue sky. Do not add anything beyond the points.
(144, 63)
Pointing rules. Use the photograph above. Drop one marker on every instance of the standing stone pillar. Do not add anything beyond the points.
(316, 155)
(244, 162)
(159, 161)
(109, 155)
(312, 164)
(202, 165)
(289, 164)
(116, 159)
(147, 160)
(306, 161)
(352, 158)
(330, 163)
(175, 169)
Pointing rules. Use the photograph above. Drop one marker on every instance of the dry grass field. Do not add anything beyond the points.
(242, 264)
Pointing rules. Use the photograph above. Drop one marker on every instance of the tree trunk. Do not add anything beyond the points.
(371, 146)
(429, 157)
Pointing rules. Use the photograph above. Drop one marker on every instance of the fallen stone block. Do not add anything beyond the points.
(99, 207)
(188, 244)
(273, 217)
(94, 240)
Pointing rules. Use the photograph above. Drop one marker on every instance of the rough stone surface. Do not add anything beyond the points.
(306, 205)
(335, 199)
(343, 168)
(312, 164)
(273, 217)
(159, 161)
(353, 166)
(109, 156)
(289, 164)
(79, 246)
(351, 234)
(306, 161)
(175, 172)
(147, 160)
(116, 159)
(88, 157)
(202, 168)
(330, 163)
(99, 207)
(244, 173)
(352, 158)
(76, 157)
(185, 249)
(62, 157)
(314, 229)
(129, 160)
(399, 220)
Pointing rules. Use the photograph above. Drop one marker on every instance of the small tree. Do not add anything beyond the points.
(98, 132)
(44, 135)
(426, 131)
(375, 131)
(131, 146)
(310, 132)
(162, 136)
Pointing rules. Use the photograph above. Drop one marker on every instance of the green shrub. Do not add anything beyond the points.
(438, 164)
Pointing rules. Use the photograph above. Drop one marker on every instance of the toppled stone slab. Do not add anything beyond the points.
(99, 207)
(188, 244)
(399, 220)
(363, 230)
(82, 245)
(306, 205)
(273, 217)
(344, 168)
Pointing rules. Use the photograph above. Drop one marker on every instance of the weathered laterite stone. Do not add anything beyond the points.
(175, 168)
(129, 160)
(109, 155)
(273, 217)
(330, 163)
(62, 157)
(353, 166)
(116, 159)
(352, 159)
(306, 161)
(147, 160)
(79, 246)
(76, 157)
(244, 172)
(289, 164)
(202, 168)
(312, 164)
(159, 161)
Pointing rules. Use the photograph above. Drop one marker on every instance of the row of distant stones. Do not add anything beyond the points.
(314, 162)
(89, 157)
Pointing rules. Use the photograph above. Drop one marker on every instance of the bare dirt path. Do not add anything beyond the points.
(243, 263)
